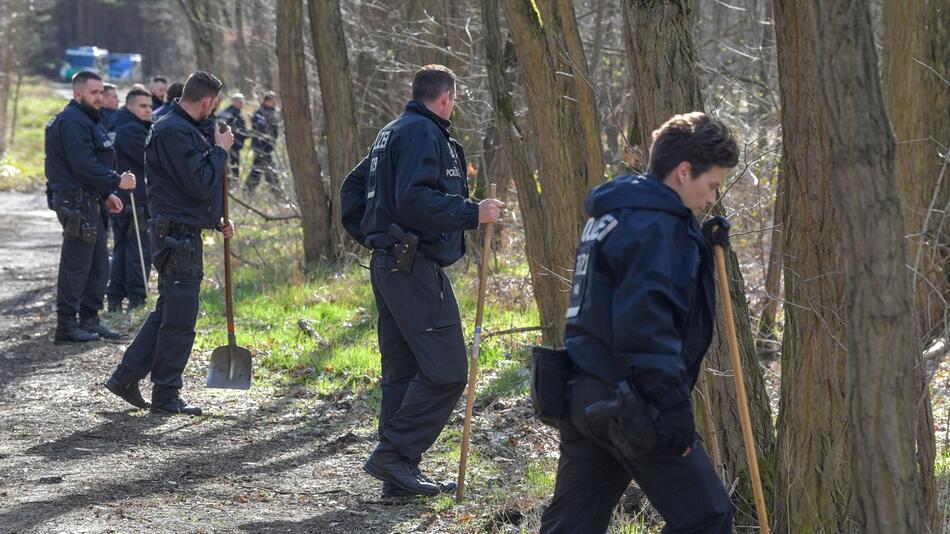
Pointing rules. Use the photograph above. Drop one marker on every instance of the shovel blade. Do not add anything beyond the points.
(230, 368)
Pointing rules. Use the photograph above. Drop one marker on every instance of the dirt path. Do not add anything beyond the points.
(73, 458)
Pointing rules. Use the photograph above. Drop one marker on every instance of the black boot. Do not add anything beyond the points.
(135, 302)
(92, 324)
(113, 305)
(174, 405)
(392, 491)
(68, 331)
(127, 391)
(393, 468)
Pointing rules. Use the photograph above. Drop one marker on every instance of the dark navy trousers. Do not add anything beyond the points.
(163, 344)
(83, 266)
(591, 478)
(424, 364)
(125, 271)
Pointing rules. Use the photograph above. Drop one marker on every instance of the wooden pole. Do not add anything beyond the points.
(138, 239)
(473, 361)
(740, 390)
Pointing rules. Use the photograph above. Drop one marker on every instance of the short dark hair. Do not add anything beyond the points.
(134, 92)
(83, 76)
(156, 79)
(108, 87)
(174, 91)
(269, 96)
(199, 85)
(431, 81)
(693, 137)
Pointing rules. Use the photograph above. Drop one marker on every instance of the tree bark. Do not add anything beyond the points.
(565, 140)
(812, 483)
(204, 22)
(339, 106)
(882, 383)
(304, 165)
(916, 39)
(244, 80)
(767, 336)
(6, 69)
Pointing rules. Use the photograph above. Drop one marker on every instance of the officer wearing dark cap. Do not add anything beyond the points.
(408, 202)
(81, 181)
(639, 322)
(130, 126)
(185, 175)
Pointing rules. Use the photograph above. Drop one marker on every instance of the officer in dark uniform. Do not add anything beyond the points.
(233, 117)
(131, 126)
(158, 86)
(185, 175)
(640, 320)
(265, 128)
(409, 193)
(110, 105)
(81, 180)
(174, 93)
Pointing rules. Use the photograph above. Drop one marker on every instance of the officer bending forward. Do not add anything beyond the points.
(185, 175)
(640, 320)
(408, 202)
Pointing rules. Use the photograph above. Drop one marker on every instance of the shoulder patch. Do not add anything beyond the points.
(52, 120)
(382, 139)
(598, 229)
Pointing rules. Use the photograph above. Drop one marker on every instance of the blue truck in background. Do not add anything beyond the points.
(113, 66)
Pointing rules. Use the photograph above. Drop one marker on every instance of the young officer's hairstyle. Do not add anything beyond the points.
(174, 91)
(108, 87)
(83, 76)
(199, 85)
(159, 79)
(696, 138)
(431, 81)
(134, 92)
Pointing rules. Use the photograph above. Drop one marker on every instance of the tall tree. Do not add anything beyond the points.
(663, 68)
(204, 20)
(881, 378)
(339, 105)
(812, 479)
(916, 49)
(295, 97)
(564, 140)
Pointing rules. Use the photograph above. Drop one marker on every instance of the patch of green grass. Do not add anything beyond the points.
(942, 468)
(540, 479)
(21, 167)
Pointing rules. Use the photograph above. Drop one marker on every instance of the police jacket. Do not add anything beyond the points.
(184, 171)
(120, 117)
(107, 116)
(161, 110)
(79, 152)
(642, 301)
(157, 103)
(264, 123)
(233, 117)
(414, 176)
(130, 134)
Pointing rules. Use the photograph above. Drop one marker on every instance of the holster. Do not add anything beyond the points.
(550, 371)
(631, 422)
(72, 222)
(405, 249)
(181, 262)
(80, 216)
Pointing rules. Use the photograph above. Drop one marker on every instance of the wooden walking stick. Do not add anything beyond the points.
(473, 361)
(740, 388)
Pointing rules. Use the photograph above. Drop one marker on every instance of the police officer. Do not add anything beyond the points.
(640, 320)
(185, 175)
(158, 86)
(412, 187)
(174, 93)
(81, 181)
(131, 126)
(110, 105)
(265, 129)
(233, 117)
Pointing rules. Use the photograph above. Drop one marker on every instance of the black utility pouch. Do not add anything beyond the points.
(182, 263)
(550, 371)
(631, 422)
(72, 222)
(405, 250)
(161, 227)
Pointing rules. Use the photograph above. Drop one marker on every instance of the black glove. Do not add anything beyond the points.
(679, 430)
(721, 236)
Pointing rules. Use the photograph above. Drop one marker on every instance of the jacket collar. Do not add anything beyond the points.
(178, 110)
(92, 113)
(416, 106)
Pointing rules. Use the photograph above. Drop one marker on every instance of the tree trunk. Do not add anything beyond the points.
(304, 165)
(566, 141)
(244, 80)
(812, 483)
(882, 384)
(203, 20)
(665, 84)
(339, 106)
(917, 38)
(6, 69)
(767, 336)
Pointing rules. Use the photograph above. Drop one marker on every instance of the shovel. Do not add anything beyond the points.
(231, 364)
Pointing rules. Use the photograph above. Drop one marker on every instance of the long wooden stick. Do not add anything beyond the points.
(740, 390)
(138, 240)
(473, 361)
